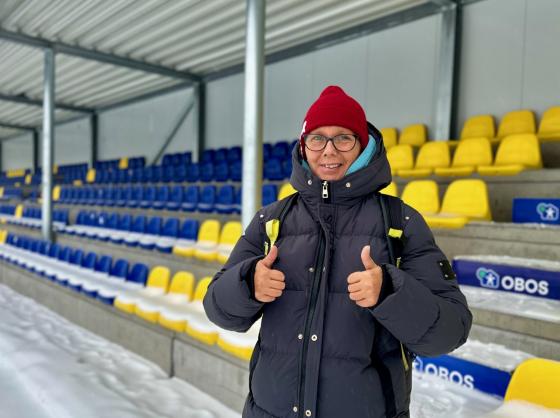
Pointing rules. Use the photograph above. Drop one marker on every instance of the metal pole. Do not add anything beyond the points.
(444, 81)
(201, 123)
(35, 150)
(48, 140)
(94, 120)
(253, 118)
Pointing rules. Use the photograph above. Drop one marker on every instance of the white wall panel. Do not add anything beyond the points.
(541, 83)
(17, 152)
(141, 128)
(72, 143)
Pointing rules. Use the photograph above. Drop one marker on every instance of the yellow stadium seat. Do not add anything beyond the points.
(19, 211)
(415, 135)
(389, 137)
(422, 195)
(180, 292)
(175, 316)
(123, 163)
(90, 177)
(400, 157)
(481, 126)
(549, 128)
(206, 247)
(77, 183)
(391, 189)
(28, 179)
(3, 236)
(231, 232)
(198, 325)
(285, 191)
(536, 381)
(432, 155)
(56, 193)
(1, 192)
(157, 284)
(470, 153)
(517, 122)
(239, 344)
(464, 200)
(515, 154)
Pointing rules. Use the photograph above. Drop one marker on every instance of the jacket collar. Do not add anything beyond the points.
(348, 190)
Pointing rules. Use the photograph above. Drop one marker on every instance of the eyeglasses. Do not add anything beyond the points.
(342, 142)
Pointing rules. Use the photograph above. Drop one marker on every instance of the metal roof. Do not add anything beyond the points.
(109, 51)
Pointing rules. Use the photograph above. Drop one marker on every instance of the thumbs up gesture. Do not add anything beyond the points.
(269, 283)
(364, 286)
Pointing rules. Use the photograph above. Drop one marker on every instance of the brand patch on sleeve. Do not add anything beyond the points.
(446, 270)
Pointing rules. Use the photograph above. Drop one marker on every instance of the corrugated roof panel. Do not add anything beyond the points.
(7, 132)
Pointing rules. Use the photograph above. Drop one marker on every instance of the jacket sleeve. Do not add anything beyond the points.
(426, 310)
(228, 302)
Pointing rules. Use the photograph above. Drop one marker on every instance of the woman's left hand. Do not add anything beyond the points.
(364, 287)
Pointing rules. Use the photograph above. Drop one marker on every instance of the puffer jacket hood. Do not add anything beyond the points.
(371, 178)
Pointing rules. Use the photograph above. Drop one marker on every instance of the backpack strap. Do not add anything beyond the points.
(392, 213)
(272, 226)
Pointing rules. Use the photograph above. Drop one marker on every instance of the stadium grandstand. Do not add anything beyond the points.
(139, 138)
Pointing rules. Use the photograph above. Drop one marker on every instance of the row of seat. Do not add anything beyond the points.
(512, 123)
(464, 201)
(515, 154)
(225, 199)
(152, 294)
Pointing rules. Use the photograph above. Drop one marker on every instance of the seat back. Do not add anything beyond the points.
(434, 154)
(473, 152)
(138, 274)
(479, 126)
(468, 197)
(139, 224)
(154, 226)
(269, 192)
(182, 283)
(209, 231)
(88, 261)
(517, 122)
(536, 381)
(422, 195)
(189, 229)
(520, 149)
(414, 135)
(231, 232)
(119, 269)
(126, 222)
(400, 157)
(76, 257)
(390, 136)
(391, 189)
(159, 277)
(170, 228)
(103, 264)
(201, 288)
(550, 122)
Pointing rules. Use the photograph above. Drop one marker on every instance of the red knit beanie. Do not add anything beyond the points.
(335, 108)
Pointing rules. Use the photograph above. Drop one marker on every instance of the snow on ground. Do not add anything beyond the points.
(51, 368)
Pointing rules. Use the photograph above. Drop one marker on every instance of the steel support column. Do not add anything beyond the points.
(253, 113)
(201, 122)
(48, 141)
(444, 81)
(94, 122)
(35, 150)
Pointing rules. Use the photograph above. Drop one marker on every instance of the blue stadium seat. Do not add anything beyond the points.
(167, 175)
(137, 195)
(162, 197)
(157, 174)
(180, 173)
(207, 171)
(147, 174)
(111, 224)
(122, 176)
(281, 150)
(269, 194)
(136, 175)
(235, 170)
(190, 199)
(225, 199)
(273, 169)
(267, 151)
(193, 172)
(175, 198)
(123, 228)
(169, 234)
(137, 275)
(207, 156)
(187, 237)
(136, 231)
(148, 197)
(234, 154)
(151, 235)
(167, 160)
(207, 199)
(237, 201)
(287, 168)
(220, 155)
(221, 171)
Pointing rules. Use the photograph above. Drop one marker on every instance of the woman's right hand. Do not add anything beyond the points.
(269, 283)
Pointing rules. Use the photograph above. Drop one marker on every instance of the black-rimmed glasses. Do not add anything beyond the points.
(342, 142)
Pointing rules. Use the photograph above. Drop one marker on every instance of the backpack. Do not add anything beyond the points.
(391, 359)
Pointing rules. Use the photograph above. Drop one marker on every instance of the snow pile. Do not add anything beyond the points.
(520, 409)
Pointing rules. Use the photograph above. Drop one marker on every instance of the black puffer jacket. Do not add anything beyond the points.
(319, 354)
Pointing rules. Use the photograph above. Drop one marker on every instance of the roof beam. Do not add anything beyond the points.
(444, 3)
(15, 126)
(39, 103)
(89, 54)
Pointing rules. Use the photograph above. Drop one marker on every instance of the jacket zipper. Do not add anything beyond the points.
(312, 305)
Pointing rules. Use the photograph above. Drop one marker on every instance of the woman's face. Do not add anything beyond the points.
(331, 164)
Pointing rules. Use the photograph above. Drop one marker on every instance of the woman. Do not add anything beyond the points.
(340, 323)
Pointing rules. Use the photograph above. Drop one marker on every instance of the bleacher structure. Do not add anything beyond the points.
(137, 242)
